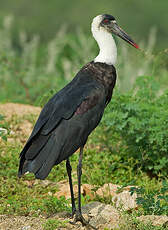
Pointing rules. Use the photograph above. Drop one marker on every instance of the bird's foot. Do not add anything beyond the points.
(73, 212)
(80, 218)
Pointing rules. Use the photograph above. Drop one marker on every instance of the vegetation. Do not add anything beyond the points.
(140, 118)
(128, 148)
(54, 224)
(153, 202)
(131, 223)
(3, 131)
(41, 17)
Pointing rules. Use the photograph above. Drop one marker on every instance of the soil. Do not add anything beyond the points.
(10, 109)
(32, 223)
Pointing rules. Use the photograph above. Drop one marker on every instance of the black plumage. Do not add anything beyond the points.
(67, 119)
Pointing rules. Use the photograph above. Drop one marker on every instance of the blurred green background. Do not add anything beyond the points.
(44, 44)
(46, 17)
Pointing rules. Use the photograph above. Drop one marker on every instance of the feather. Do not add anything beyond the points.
(67, 119)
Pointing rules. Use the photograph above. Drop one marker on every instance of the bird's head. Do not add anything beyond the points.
(108, 23)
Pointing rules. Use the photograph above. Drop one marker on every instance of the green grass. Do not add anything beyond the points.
(54, 224)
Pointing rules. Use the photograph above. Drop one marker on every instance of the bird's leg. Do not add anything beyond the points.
(78, 215)
(69, 170)
(79, 174)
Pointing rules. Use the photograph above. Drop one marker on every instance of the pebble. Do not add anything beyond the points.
(26, 227)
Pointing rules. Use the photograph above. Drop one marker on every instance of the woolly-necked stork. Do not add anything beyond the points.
(73, 113)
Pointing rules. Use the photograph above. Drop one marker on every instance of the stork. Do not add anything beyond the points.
(68, 118)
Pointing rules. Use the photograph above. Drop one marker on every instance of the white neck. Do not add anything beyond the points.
(106, 43)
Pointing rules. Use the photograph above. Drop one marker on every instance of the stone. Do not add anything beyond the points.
(64, 190)
(88, 190)
(26, 227)
(125, 201)
(102, 216)
(107, 190)
(154, 220)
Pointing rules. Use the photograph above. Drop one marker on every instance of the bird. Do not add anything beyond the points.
(69, 117)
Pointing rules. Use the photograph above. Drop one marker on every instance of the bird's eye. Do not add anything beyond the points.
(106, 21)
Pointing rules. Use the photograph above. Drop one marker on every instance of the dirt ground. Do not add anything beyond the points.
(10, 109)
(20, 223)
(32, 223)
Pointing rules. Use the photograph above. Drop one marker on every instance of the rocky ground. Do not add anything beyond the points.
(98, 214)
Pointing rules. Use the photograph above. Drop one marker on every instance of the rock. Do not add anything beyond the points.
(125, 201)
(122, 200)
(155, 220)
(26, 227)
(98, 215)
(88, 190)
(107, 190)
(102, 216)
(64, 190)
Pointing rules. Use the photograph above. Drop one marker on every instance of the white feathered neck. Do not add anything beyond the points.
(105, 41)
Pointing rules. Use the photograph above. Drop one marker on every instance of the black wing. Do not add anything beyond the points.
(77, 97)
(63, 104)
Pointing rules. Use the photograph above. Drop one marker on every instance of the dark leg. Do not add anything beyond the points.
(69, 170)
(78, 216)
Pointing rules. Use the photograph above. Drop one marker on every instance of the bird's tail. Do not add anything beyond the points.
(42, 161)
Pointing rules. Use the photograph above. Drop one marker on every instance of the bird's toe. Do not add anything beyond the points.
(79, 218)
